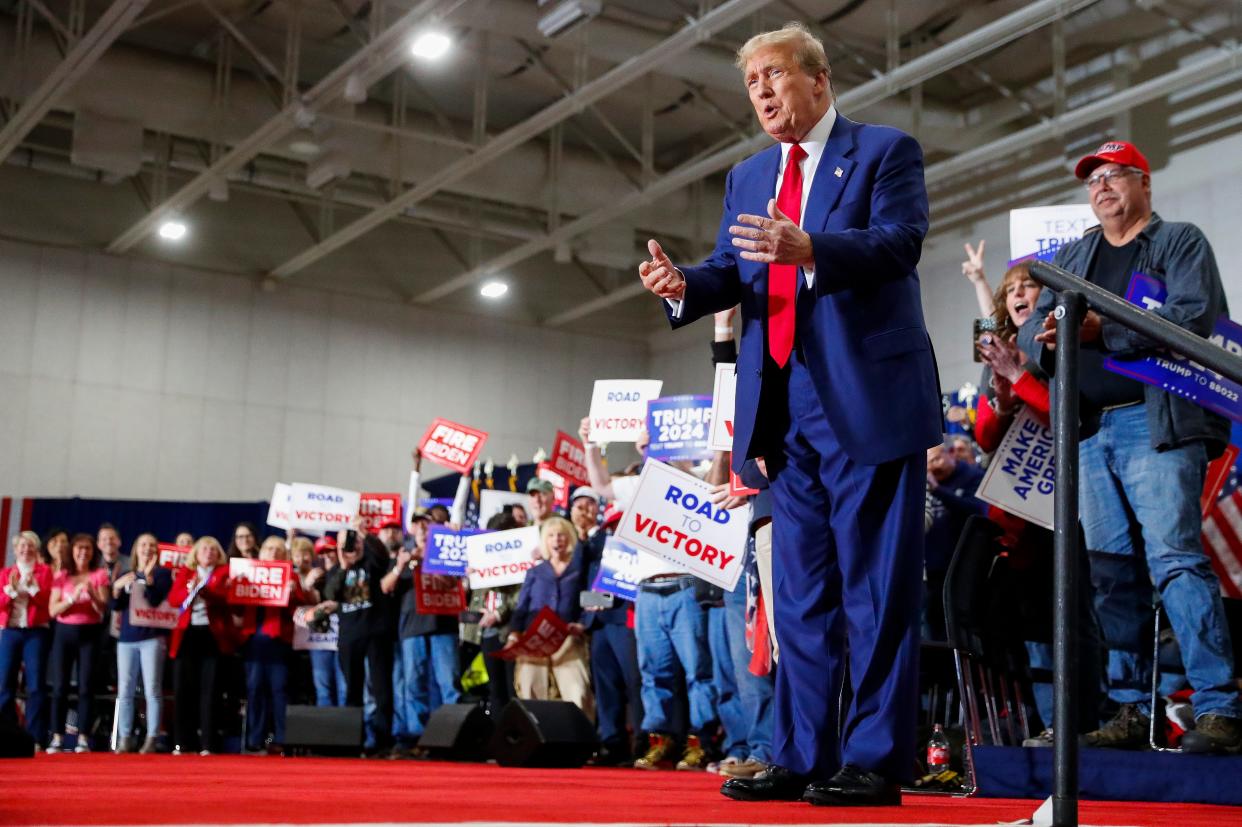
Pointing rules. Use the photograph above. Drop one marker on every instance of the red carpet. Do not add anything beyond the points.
(163, 789)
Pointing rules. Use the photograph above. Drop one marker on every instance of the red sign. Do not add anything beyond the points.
(560, 485)
(1217, 472)
(737, 488)
(569, 459)
(439, 594)
(544, 637)
(260, 582)
(173, 557)
(454, 446)
(377, 509)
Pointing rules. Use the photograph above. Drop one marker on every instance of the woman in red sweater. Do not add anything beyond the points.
(25, 636)
(203, 636)
(267, 635)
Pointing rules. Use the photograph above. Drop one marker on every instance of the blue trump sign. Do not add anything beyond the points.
(446, 550)
(679, 428)
(1177, 374)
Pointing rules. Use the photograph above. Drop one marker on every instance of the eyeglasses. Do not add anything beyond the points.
(1109, 176)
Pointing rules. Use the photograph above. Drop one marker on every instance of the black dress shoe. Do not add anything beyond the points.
(773, 784)
(854, 787)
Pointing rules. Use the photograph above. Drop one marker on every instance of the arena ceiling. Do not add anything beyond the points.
(302, 144)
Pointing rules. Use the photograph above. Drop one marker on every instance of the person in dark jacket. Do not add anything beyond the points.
(141, 647)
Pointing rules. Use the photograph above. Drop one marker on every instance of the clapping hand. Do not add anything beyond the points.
(1002, 356)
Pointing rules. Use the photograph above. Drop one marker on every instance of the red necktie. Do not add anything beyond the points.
(783, 278)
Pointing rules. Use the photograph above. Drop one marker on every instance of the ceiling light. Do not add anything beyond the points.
(493, 289)
(173, 230)
(567, 15)
(431, 45)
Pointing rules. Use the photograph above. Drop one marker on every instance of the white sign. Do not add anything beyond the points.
(142, 613)
(306, 640)
(672, 516)
(278, 510)
(502, 558)
(1044, 230)
(492, 503)
(724, 398)
(1022, 476)
(619, 408)
(321, 508)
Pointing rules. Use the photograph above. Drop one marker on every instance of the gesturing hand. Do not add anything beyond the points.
(972, 267)
(772, 239)
(1002, 356)
(660, 276)
(1089, 332)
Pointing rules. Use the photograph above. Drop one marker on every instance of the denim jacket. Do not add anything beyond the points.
(1178, 254)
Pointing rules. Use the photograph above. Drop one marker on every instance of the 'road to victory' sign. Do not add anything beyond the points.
(619, 408)
(321, 507)
(502, 558)
(672, 516)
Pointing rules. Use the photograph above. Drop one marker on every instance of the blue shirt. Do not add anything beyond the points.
(543, 587)
(155, 591)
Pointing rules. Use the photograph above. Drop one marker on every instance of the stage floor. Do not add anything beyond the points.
(101, 789)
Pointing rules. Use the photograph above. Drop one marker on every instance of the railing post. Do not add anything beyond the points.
(1070, 309)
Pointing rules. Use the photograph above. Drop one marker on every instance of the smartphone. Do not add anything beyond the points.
(595, 600)
(982, 327)
(351, 541)
(470, 617)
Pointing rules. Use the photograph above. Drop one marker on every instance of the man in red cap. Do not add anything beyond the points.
(1143, 457)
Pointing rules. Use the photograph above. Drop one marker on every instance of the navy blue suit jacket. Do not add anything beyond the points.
(862, 330)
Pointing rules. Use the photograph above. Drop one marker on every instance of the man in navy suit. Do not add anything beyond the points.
(837, 392)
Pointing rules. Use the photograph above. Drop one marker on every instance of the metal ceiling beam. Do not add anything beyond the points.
(668, 50)
(979, 42)
(81, 57)
(372, 61)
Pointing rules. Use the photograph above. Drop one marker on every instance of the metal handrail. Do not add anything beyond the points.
(1074, 295)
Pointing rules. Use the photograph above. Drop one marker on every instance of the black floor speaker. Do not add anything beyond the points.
(15, 742)
(543, 734)
(327, 730)
(458, 732)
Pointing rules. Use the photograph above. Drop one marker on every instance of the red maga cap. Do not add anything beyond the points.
(1112, 152)
(325, 543)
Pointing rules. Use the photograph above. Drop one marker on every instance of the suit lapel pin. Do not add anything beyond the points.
(838, 172)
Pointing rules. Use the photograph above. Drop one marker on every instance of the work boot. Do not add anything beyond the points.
(149, 746)
(694, 757)
(658, 748)
(1214, 733)
(1128, 729)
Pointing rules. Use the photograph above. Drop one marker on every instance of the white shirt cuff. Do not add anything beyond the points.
(676, 305)
(808, 273)
(10, 591)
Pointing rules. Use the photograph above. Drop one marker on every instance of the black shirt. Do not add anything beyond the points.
(413, 624)
(1101, 388)
(365, 609)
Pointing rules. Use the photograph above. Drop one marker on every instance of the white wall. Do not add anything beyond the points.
(127, 379)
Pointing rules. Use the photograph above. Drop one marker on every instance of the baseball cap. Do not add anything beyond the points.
(1112, 152)
(584, 491)
(537, 484)
(392, 522)
(325, 543)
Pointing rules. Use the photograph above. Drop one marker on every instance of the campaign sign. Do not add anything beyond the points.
(569, 459)
(436, 594)
(142, 613)
(1177, 374)
(545, 636)
(1041, 231)
(446, 550)
(321, 508)
(377, 509)
(492, 502)
(1021, 478)
(678, 427)
(619, 408)
(173, 557)
(259, 582)
(672, 516)
(724, 400)
(560, 486)
(454, 446)
(737, 488)
(1218, 471)
(308, 640)
(502, 558)
(622, 568)
(278, 507)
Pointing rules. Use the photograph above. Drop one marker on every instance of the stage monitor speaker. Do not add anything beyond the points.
(543, 734)
(458, 732)
(15, 742)
(328, 730)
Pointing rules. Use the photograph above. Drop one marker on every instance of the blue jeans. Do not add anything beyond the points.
(671, 629)
(754, 693)
(1122, 475)
(29, 647)
(733, 718)
(329, 678)
(430, 663)
(147, 655)
(398, 690)
(266, 662)
(617, 682)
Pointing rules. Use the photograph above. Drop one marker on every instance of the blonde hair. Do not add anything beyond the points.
(133, 550)
(28, 536)
(551, 524)
(282, 554)
(302, 544)
(806, 47)
(206, 541)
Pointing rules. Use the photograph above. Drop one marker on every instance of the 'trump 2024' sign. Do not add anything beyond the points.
(672, 516)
